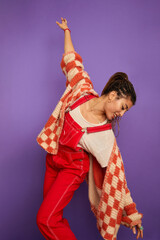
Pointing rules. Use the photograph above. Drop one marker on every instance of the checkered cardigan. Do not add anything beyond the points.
(109, 195)
(78, 83)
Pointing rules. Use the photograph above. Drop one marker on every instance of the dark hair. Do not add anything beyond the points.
(119, 82)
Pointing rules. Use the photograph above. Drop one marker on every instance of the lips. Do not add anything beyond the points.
(114, 116)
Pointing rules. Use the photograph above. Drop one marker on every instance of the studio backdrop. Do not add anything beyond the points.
(110, 36)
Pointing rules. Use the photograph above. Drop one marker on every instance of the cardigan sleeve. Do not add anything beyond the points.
(72, 67)
(131, 216)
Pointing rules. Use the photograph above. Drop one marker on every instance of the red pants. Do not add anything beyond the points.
(64, 174)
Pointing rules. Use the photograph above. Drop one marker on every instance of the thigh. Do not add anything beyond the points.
(50, 174)
(61, 192)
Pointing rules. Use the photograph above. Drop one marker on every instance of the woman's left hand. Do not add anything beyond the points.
(140, 231)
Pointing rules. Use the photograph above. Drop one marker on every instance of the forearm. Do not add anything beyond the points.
(68, 45)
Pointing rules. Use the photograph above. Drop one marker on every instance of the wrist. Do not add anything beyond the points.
(67, 29)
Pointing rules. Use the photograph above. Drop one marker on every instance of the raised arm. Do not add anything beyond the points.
(72, 63)
(68, 45)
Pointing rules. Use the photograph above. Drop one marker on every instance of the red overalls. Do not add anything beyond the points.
(64, 174)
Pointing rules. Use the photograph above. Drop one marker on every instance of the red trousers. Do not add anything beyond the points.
(64, 174)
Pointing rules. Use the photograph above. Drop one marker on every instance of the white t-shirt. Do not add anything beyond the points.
(99, 144)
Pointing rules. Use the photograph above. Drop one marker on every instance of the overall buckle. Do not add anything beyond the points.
(84, 130)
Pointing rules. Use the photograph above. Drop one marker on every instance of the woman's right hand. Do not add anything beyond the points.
(62, 25)
(138, 226)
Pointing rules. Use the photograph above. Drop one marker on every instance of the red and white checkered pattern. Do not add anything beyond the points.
(112, 203)
(78, 83)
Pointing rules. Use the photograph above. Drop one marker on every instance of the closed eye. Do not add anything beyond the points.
(124, 108)
(127, 107)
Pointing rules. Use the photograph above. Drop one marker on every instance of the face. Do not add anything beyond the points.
(116, 107)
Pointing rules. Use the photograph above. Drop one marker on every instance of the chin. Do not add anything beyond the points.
(110, 119)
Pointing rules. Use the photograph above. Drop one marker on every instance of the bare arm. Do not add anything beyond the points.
(68, 45)
(72, 63)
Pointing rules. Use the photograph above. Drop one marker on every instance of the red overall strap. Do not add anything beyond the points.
(97, 128)
(81, 100)
(90, 129)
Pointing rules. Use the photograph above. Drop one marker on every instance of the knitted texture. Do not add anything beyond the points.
(78, 83)
(109, 195)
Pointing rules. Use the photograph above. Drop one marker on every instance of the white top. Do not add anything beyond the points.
(99, 144)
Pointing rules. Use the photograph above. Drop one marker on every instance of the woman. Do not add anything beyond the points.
(81, 125)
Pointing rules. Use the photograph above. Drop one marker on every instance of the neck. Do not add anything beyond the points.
(96, 107)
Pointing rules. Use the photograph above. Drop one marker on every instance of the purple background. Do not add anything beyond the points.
(110, 36)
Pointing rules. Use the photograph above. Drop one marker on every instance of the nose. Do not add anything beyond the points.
(122, 113)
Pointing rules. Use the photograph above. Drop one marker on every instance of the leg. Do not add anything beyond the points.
(50, 174)
(49, 218)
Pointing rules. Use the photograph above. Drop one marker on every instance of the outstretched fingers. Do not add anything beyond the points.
(62, 25)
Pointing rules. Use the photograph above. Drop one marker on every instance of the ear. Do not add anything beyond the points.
(112, 95)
